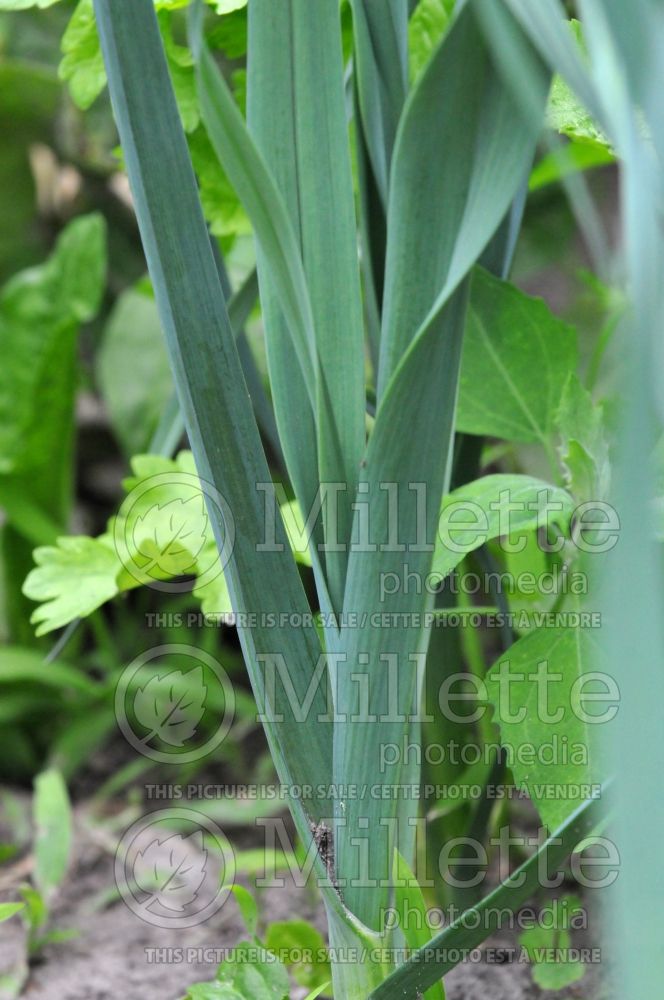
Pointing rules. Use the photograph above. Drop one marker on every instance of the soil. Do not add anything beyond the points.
(116, 955)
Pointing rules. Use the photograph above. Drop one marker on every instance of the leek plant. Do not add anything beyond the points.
(367, 244)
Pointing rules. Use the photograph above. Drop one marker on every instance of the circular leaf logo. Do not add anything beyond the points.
(174, 868)
(170, 711)
(163, 531)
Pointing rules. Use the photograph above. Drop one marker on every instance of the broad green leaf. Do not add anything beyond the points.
(296, 81)
(132, 369)
(538, 691)
(215, 405)
(8, 910)
(561, 972)
(584, 450)
(381, 70)
(53, 833)
(469, 930)
(256, 976)
(299, 938)
(413, 913)
(40, 311)
(443, 211)
(509, 337)
(495, 506)
(428, 23)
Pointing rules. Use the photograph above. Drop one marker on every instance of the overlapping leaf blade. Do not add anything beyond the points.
(457, 167)
(296, 90)
(213, 397)
(381, 71)
(426, 966)
(296, 113)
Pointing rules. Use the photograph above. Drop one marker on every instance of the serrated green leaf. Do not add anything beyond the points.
(72, 579)
(162, 530)
(136, 391)
(536, 690)
(508, 337)
(82, 63)
(567, 115)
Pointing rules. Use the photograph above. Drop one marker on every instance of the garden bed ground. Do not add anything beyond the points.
(112, 954)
